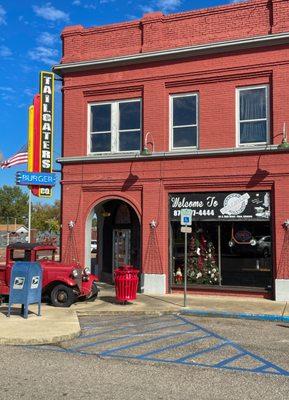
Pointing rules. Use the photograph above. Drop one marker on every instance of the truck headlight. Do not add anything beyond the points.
(86, 271)
(74, 273)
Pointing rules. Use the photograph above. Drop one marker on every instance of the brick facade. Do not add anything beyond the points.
(215, 78)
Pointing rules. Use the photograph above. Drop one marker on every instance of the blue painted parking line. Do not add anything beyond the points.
(211, 349)
(140, 343)
(198, 353)
(173, 346)
(131, 335)
(121, 329)
(224, 314)
(115, 322)
(228, 360)
(266, 367)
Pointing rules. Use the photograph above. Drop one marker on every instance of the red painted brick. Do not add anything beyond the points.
(214, 77)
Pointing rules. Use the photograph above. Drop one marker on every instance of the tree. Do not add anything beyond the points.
(202, 263)
(13, 204)
(46, 217)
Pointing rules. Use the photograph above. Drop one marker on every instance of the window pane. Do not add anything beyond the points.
(100, 142)
(184, 110)
(129, 115)
(129, 141)
(184, 137)
(251, 132)
(100, 118)
(252, 104)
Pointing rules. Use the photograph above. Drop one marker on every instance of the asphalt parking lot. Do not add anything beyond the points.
(177, 339)
(154, 357)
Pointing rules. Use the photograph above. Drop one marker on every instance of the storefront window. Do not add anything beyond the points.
(202, 254)
(246, 254)
(230, 243)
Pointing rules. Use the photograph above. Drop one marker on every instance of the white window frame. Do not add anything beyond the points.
(171, 141)
(238, 90)
(114, 127)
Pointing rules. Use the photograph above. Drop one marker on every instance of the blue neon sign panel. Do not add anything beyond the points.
(35, 178)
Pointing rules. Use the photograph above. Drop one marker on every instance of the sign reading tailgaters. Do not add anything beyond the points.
(46, 126)
(216, 206)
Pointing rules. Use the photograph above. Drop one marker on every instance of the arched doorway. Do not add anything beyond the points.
(112, 238)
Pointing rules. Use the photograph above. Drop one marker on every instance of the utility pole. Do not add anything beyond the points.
(7, 229)
(29, 217)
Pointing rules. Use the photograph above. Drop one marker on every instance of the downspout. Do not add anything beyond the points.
(271, 16)
(141, 27)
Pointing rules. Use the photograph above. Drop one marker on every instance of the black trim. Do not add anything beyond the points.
(218, 288)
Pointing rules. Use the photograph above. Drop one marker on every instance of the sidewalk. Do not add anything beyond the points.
(59, 324)
(54, 325)
(206, 305)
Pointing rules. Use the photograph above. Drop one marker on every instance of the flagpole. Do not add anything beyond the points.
(29, 217)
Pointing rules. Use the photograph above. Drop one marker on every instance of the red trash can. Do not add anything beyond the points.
(126, 282)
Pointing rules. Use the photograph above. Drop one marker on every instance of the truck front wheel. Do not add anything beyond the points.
(62, 296)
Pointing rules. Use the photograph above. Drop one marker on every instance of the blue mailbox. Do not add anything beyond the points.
(25, 286)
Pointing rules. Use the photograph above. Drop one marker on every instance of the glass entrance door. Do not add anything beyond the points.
(121, 247)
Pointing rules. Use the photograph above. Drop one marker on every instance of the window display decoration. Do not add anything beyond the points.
(179, 276)
(242, 237)
(202, 264)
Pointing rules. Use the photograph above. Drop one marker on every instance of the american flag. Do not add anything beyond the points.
(21, 157)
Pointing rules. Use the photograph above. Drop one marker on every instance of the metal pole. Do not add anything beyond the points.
(29, 217)
(7, 230)
(219, 255)
(185, 271)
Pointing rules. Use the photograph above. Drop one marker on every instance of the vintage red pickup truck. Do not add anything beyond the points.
(62, 284)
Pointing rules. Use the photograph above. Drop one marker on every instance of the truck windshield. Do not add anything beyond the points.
(45, 255)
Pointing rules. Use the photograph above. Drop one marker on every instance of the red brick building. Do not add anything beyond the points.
(181, 111)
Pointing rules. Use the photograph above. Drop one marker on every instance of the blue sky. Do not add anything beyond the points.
(30, 42)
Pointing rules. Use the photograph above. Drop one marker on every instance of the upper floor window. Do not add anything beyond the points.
(115, 126)
(252, 115)
(184, 121)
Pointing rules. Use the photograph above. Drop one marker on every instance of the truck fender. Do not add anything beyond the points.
(67, 282)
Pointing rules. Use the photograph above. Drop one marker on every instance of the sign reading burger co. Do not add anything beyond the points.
(46, 126)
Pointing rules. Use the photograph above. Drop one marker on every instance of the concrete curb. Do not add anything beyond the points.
(128, 312)
(54, 326)
(38, 341)
(197, 313)
(225, 314)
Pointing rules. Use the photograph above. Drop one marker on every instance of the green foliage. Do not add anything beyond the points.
(13, 204)
(46, 217)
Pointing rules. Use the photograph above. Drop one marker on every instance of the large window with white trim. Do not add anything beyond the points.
(115, 126)
(252, 115)
(184, 121)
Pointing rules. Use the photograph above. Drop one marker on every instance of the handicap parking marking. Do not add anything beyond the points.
(146, 341)
(125, 327)
(132, 335)
(117, 321)
(211, 349)
(265, 367)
